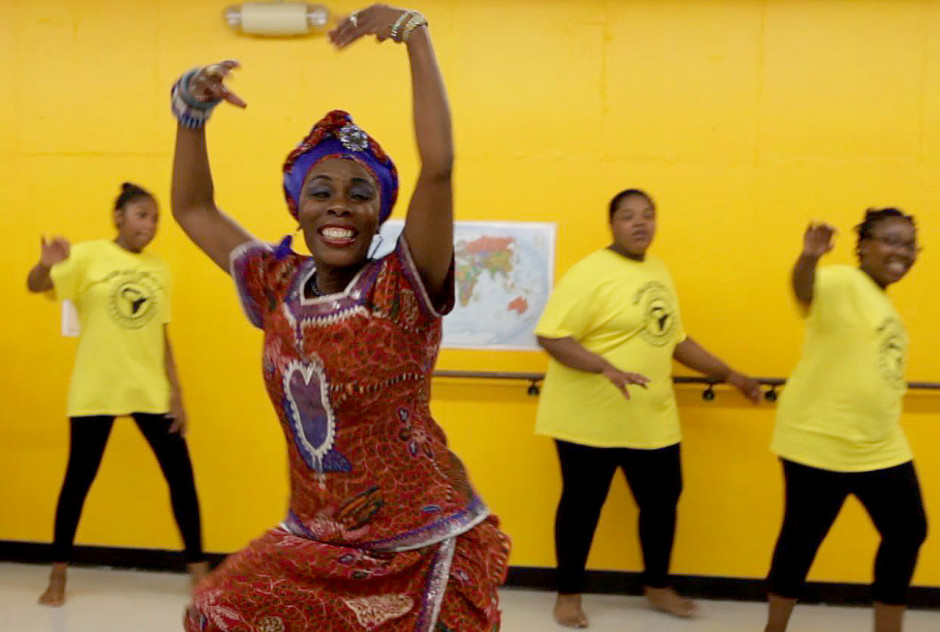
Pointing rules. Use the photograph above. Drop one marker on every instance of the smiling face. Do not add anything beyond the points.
(633, 225)
(136, 222)
(889, 252)
(338, 211)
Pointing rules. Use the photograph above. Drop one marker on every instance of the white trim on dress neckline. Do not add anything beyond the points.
(304, 301)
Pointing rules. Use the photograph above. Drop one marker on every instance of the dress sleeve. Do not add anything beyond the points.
(400, 292)
(67, 276)
(568, 312)
(251, 268)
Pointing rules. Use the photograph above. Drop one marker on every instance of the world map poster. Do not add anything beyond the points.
(504, 273)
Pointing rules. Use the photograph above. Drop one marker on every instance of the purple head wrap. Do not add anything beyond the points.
(336, 136)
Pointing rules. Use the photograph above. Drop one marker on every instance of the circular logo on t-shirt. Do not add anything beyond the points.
(659, 313)
(892, 348)
(134, 298)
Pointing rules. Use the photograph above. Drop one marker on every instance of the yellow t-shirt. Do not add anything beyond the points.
(123, 302)
(840, 408)
(627, 312)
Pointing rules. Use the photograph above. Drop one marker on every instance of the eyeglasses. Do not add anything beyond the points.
(900, 244)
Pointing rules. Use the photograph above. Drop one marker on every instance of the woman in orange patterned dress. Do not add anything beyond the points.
(384, 530)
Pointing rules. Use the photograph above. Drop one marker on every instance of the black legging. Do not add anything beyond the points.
(813, 499)
(88, 438)
(654, 477)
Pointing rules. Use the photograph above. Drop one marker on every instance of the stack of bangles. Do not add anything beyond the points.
(409, 21)
(190, 111)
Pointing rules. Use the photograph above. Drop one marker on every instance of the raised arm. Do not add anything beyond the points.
(192, 193)
(572, 353)
(51, 253)
(817, 241)
(429, 226)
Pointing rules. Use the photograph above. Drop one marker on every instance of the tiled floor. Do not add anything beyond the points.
(102, 600)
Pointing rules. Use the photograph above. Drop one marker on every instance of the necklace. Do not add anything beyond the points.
(313, 286)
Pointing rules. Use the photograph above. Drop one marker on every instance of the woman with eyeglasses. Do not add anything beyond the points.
(837, 430)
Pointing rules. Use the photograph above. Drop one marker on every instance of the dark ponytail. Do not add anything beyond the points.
(129, 193)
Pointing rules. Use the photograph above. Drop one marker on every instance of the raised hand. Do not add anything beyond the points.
(621, 379)
(376, 20)
(209, 84)
(817, 240)
(53, 252)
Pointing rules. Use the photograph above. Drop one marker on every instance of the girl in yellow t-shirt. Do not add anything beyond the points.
(613, 321)
(837, 430)
(123, 366)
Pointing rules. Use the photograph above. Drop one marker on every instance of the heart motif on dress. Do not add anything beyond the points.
(311, 418)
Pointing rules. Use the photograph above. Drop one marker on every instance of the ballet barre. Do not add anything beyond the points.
(535, 380)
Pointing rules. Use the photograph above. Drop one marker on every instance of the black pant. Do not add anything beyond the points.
(813, 499)
(88, 438)
(654, 477)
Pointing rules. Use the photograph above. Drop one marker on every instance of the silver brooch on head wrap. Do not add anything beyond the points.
(352, 137)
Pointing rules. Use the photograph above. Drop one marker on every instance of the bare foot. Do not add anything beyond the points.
(568, 611)
(197, 572)
(55, 592)
(669, 601)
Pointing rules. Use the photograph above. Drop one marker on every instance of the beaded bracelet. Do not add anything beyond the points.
(416, 20)
(190, 112)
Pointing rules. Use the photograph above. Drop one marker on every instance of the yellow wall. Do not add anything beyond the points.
(744, 119)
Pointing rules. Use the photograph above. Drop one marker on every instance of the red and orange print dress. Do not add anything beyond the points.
(384, 530)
